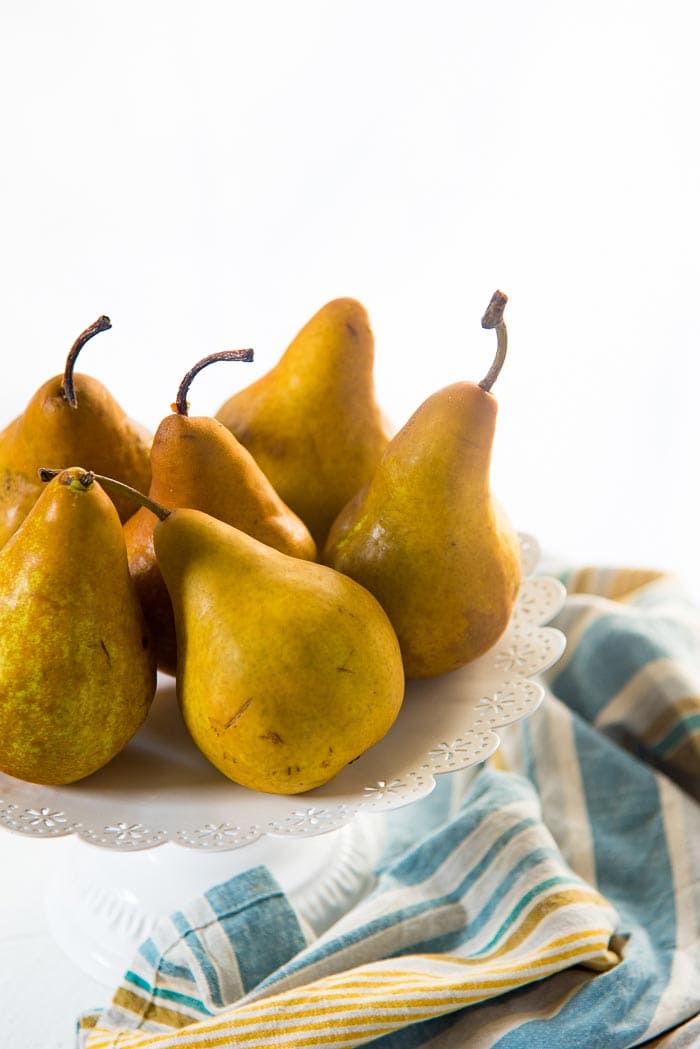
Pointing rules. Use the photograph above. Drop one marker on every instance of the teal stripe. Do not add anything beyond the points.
(144, 985)
(547, 858)
(536, 890)
(165, 994)
(678, 734)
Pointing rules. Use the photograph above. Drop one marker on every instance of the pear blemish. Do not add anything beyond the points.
(64, 714)
(289, 561)
(315, 717)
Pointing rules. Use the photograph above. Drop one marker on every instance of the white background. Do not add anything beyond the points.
(209, 174)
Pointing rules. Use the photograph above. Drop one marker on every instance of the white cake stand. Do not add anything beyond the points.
(159, 824)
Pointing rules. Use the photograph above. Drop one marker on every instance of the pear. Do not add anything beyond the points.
(426, 535)
(312, 421)
(77, 675)
(70, 418)
(286, 670)
(196, 462)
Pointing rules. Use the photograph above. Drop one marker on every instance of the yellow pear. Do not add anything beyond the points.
(71, 418)
(196, 462)
(287, 670)
(77, 675)
(312, 421)
(426, 535)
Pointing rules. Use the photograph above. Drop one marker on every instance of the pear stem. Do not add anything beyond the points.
(110, 484)
(68, 388)
(493, 318)
(181, 405)
(119, 488)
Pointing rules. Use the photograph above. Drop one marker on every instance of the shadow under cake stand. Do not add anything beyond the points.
(160, 825)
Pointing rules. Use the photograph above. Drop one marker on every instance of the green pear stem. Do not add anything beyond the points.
(493, 318)
(110, 484)
(68, 387)
(181, 405)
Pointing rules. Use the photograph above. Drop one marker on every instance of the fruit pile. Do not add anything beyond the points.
(289, 561)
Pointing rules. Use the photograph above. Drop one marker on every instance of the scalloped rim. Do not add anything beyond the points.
(478, 743)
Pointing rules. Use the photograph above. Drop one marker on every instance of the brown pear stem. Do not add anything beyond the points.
(110, 484)
(493, 318)
(68, 388)
(181, 405)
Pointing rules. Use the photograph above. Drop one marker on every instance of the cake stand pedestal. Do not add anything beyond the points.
(101, 904)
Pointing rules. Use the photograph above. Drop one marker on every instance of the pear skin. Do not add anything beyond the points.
(77, 675)
(52, 432)
(428, 539)
(287, 671)
(312, 422)
(197, 463)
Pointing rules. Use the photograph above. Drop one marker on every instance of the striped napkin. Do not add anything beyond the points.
(551, 900)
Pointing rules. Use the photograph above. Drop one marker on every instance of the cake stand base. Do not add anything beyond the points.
(101, 904)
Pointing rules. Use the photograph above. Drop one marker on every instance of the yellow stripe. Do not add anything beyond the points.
(603, 934)
(312, 1033)
(396, 982)
(542, 908)
(358, 988)
(498, 760)
(380, 980)
(461, 993)
(144, 1008)
(408, 978)
(616, 584)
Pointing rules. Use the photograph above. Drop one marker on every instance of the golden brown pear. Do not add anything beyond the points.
(196, 462)
(426, 536)
(312, 422)
(77, 675)
(287, 670)
(70, 419)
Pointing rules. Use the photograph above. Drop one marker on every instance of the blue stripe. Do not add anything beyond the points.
(615, 648)
(248, 904)
(450, 942)
(678, 734)
(490, 792)
(634, 873)
(196, 948)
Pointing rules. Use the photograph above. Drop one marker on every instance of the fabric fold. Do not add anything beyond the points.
(481, 905)
(550, 899)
